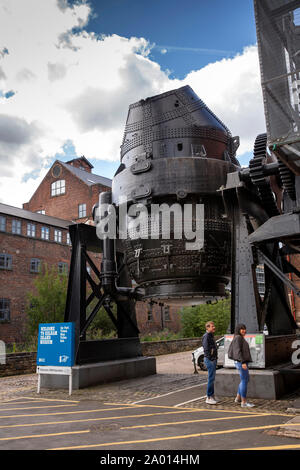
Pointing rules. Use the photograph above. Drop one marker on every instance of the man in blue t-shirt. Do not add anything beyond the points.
(210, 360)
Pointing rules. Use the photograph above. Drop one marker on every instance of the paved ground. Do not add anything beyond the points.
(165, 411)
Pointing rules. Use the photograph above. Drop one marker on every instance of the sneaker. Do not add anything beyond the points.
(236, 400)
(210, 401)
(247, 405)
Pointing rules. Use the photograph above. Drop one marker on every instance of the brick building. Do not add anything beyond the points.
(69, 191)
(27, 240)
(38, 234)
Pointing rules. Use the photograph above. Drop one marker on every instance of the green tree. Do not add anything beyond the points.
(46, 303)
(193, 319)
(102, 326)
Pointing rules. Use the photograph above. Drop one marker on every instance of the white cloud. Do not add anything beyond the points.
(78, 86)
(231, 89)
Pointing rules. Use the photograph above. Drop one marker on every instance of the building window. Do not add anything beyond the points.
(150, 312)
(58, 187)
(81, 210)
(31, 230)
(166, 313)
(16, 227)
(5, 261)
(260, 277)
(2, 224)
(62, 268)
(68, 239)
(35, 265)
(4, 310)
(42, 211)
(57, 236)
(45, 233)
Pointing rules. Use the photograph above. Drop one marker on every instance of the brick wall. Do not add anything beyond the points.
(18, 281)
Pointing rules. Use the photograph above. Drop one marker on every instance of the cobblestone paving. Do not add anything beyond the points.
(125, 391)
(175, 371)
(270, 406)
(130, 391)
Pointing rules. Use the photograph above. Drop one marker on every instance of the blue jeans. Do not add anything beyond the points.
(244, 375)
(211, 369)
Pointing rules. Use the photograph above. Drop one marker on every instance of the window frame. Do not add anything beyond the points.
(57, 235)
(31, 233)
(38, 265)
(7, 260)
(81, 210)
(18, 223)
(57, 188)
(5, 310)
(166, 313)
(2, 223)
(62, 267)
(150, 317)
(43, 230)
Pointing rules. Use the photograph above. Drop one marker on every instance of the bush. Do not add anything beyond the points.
(193, 319)
(47, 303)
(102, 326)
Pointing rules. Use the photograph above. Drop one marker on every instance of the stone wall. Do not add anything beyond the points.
(18, 363)
(25, 363)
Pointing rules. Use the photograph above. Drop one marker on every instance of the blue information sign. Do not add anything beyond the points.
(56, 344)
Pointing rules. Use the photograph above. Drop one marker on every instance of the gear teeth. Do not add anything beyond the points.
(287, 178)
(257, 175)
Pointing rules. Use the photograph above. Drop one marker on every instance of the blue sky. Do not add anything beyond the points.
(194, 33)
(69, 75)
(185, 35)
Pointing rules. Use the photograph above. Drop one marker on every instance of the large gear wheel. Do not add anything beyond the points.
(260, 181)
(287, 179)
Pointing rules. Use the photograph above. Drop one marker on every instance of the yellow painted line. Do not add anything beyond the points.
(50, 399)
(62, 413)
(35, 407)
(182, 408)
(34, 436)
(287, 446)
(214, 410)
(191, 421)
(169, 438)
(89, 419)
(13, 399)
(16, 403)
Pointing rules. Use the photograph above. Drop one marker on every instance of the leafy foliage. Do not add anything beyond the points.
(193, 319)
(102, 326)
(47, 303)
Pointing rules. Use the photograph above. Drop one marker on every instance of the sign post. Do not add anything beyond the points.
(55, 353)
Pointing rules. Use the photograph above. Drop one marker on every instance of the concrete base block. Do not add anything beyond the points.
(267, 383)
(102, 372)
